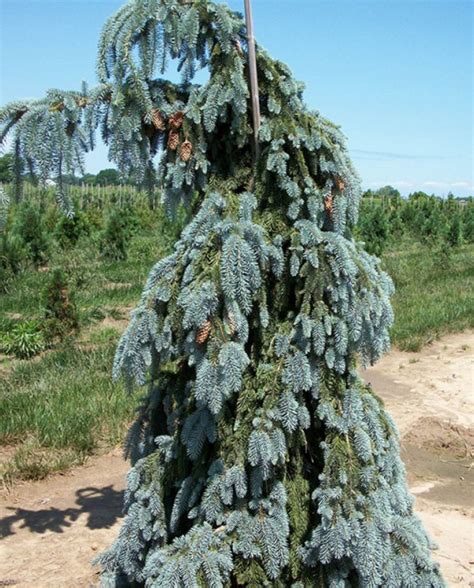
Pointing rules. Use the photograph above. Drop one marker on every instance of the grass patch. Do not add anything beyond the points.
(105, 335)
(61, 408)
(434, 293)
(31, 461)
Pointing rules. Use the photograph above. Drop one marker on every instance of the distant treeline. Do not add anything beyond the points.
(105, 177)
(389, 192)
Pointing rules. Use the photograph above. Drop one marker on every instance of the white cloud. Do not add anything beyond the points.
(401, 184)
(435, 184)
(448, 185)
(462, 185)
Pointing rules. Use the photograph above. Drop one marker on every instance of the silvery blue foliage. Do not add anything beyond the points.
(296, 373)
(282, 345)
(4, 205)
(134, 354)
(232, 362)
(145, 522)
(181, 504)
(216, 382)
(198, 304)
(287, 411)
(262, 531)
(266, 448)
(363, 527)
(198, 428)
(240, 272)
(200, 556)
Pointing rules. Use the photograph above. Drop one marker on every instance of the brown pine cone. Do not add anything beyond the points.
(176, 121)
(158, 120)
(328, 204)
(57, 107)
(340, 185)
(173, 140)
(186, 150)
(203, 332)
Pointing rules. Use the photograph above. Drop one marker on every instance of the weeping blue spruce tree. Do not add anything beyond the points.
(259, 457)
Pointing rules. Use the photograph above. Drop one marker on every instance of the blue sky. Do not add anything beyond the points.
(395, 74)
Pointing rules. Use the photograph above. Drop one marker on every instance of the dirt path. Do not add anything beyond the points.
(52, 529)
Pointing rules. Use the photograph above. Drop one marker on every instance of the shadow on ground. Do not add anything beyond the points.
(103, 507)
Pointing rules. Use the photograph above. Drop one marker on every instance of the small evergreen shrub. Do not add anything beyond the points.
(60, 309)
(68, 230)
(115, 237)
(12, 257)
(468, 224)
(29, 228)
(6, 279)
(395, 223)
(374, 229)
(93, 218)
(454, 234)
(434, 228)
(50, 214)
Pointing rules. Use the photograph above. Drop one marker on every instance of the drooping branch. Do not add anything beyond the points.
(51, 135)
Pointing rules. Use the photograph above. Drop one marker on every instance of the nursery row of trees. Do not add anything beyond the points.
(35, 230)
(37, 240)
(429, 219)
(110, 216)
(35, 227)
(111, 177)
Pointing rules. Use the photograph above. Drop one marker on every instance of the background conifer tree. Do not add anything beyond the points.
(60, 311)
(259, 457)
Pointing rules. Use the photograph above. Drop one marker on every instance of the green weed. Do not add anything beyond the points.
(24, 340)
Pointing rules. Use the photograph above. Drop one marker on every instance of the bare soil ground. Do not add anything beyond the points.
(53, 528)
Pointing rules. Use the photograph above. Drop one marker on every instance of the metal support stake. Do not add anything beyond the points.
(253, 76)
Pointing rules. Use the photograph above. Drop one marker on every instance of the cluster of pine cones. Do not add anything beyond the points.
(175, 122)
